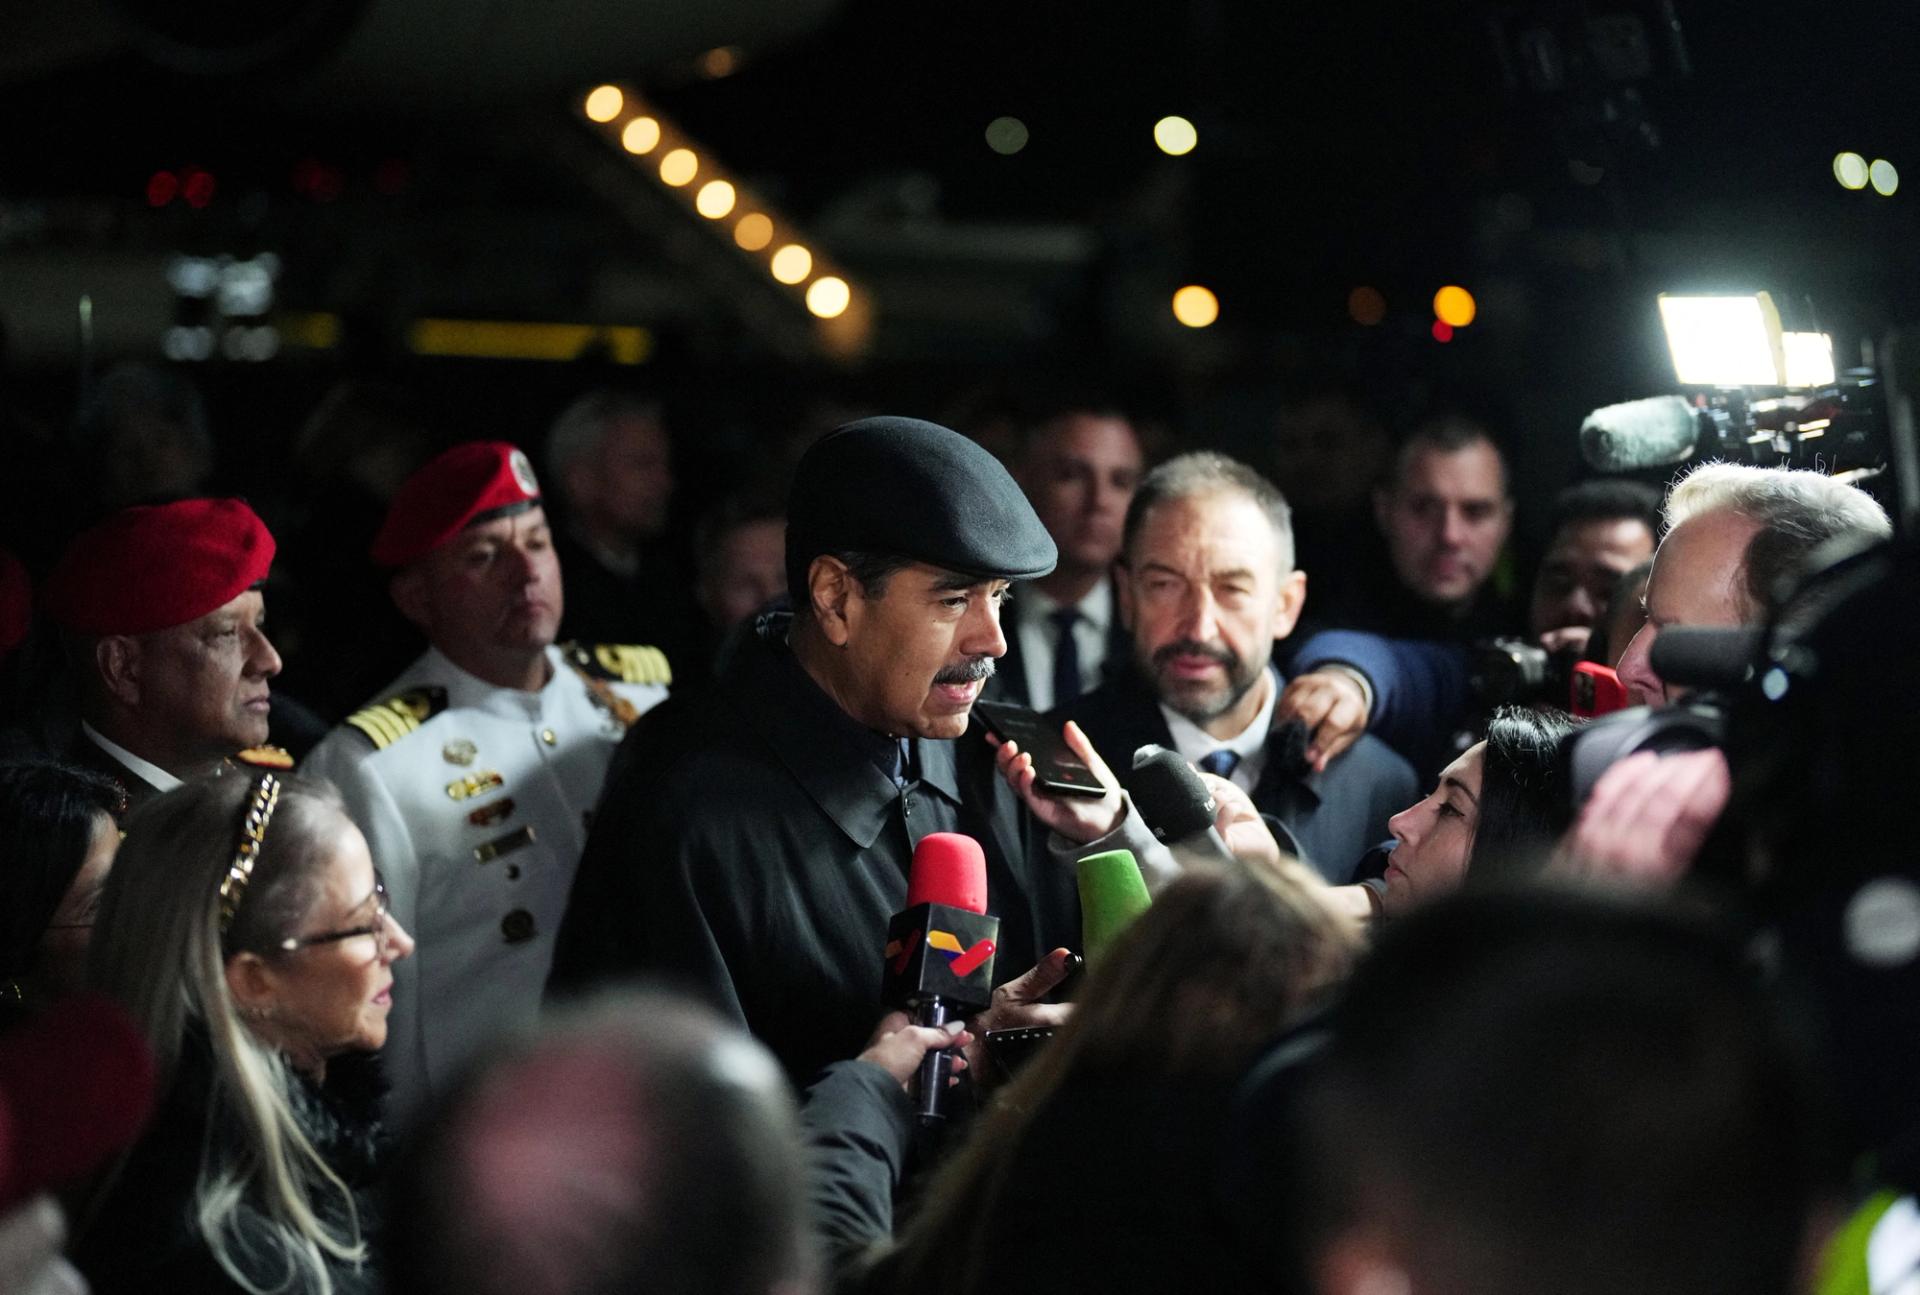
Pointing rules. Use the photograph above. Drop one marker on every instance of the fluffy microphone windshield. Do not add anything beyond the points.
(1649, 433)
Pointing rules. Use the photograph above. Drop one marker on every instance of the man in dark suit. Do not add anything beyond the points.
(1078, 466)
(165, 626)
(1207, 587)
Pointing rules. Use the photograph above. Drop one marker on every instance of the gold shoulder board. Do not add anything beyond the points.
(622, 662)
(265, 757)
(386, 722)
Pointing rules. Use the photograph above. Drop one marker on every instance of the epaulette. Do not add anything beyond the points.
(386, 722)
(265, 757)
(621, 662)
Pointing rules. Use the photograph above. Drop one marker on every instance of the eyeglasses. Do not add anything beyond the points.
(377, 928)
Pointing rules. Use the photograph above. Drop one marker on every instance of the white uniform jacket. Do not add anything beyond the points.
(475, 800)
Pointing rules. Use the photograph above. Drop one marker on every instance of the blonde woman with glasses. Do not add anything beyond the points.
(246, 928)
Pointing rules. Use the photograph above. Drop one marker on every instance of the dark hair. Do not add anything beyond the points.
(1607, 499)
(1449, 433)
(1537, 1084)
(1205, 472)
(872, 570)
(1039, 415)
(47, 817)
(1523, 801)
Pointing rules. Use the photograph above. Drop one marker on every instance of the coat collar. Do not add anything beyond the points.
(828, 753)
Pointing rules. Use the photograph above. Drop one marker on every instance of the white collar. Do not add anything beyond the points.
(148, 772)
(1194, 742)
(1095, 607)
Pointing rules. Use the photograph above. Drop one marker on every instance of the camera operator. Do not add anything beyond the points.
(1732, 532)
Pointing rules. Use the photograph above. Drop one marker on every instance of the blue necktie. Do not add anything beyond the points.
(1066, 656)
(1220, 763)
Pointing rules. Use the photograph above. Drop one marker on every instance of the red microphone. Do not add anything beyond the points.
(948, 868)
(76, 1087)
(939, 954)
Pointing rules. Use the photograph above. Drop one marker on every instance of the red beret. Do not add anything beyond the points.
(466, 484)
(150, 568)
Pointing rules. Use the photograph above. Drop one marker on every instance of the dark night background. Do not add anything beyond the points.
(1375, 144)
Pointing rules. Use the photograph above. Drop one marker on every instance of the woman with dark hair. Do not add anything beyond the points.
(1493, 818)
(57, 840)
(245, 928)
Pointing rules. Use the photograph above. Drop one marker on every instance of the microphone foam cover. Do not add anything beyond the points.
(948, 868)
(1649, 433)
(1112, 894)
(1169, 794)
(1705, 656)
(77, 1085)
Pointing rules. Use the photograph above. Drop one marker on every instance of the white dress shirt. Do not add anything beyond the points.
(148, 772)
(1250, 743)
(1035, 611)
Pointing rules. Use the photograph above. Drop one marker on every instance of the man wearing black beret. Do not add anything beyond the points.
(754, 840)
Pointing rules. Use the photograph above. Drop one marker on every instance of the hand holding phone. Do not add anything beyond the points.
(1059, 770)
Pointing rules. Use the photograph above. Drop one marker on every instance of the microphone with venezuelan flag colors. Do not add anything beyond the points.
(939, 955)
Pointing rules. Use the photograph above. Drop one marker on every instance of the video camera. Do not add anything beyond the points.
(1764, 395)
(1514, 672)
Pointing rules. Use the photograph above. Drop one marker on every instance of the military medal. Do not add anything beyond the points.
(475, 784)
(460, 751)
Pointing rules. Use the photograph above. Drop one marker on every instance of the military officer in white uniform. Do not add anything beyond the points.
(475, 773)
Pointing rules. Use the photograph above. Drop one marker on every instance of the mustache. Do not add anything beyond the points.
(977, 670)
(1193, 647)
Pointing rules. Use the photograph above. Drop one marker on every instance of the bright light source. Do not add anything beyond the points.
(1850, 169)
(792, 264)
(1442, 331)
(1724, 341)
(1195, 307)
(605, 103)
(642, 135)
(1885, 178)
(714, 200)
(753, 232)
(1006, 135)
(828, 296)
(1175, 136)
(1366, 306)
(1454, 306)
(679, 167)
(1809, 359)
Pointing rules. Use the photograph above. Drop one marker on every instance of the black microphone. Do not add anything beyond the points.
(939, 955)
(1176, 804)
(1699, 656)
(1650, 433)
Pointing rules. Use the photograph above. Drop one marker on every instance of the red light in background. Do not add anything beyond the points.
(198, 187)
(161, 188)
(1442, 331)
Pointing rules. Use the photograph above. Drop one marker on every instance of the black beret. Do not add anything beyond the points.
(900, 487)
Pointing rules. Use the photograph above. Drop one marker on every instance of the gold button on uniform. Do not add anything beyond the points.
(517, 926)
(546, 735)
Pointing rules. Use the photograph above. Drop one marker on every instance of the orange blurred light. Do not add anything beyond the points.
(753, 232)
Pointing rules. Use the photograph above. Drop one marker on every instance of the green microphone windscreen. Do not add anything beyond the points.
(1112, 894)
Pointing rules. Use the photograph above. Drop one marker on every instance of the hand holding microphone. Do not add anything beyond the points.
(938, 962)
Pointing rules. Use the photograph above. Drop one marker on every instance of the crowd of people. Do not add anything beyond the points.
(1428, 1014)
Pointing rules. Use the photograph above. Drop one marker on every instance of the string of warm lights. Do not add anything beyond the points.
(627, 122)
